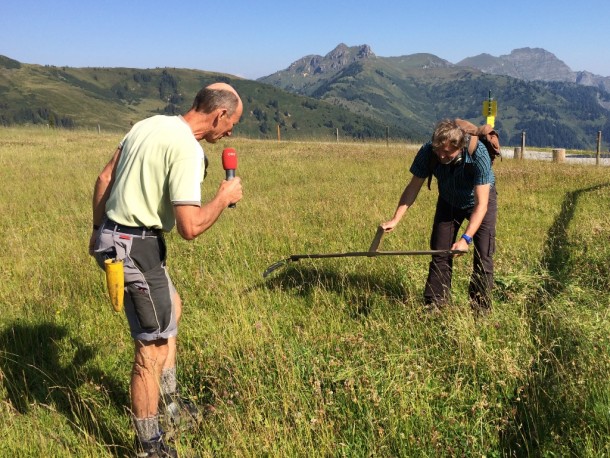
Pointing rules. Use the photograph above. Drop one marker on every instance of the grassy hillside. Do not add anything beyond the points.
(115, 98)
(323, 358)
(365, 99)
(552, 114)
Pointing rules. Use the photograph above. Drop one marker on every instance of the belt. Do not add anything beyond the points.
(142, 231)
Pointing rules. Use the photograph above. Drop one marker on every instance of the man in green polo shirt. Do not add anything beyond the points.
(151, 184)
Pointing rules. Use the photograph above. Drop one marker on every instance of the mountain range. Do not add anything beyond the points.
(535, 92)
(349, 92)
(534, 64)
(529, 64)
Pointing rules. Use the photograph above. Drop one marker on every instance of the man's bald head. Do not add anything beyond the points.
(217, 95)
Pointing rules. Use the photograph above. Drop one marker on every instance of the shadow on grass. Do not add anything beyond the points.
(357, 289)
(45, 365)
(542, 411)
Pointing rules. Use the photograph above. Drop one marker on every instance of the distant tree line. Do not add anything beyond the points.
(168, 92)
(546, 133)
(43, 116)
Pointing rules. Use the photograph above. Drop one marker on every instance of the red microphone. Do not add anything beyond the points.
(229, 163)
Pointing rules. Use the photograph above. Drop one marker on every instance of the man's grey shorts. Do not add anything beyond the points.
(149, 292)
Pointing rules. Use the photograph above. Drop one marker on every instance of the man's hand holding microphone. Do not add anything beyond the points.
(232, 184)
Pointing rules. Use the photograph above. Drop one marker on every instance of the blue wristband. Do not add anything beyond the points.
(467, 238)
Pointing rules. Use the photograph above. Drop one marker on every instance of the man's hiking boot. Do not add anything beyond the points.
(155, 448)
(178, 413)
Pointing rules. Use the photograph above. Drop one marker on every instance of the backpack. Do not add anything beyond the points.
(485, 134)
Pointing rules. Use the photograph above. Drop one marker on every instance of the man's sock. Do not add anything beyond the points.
(147, 429)
(168, 384)
(173, 406)
(169, 402)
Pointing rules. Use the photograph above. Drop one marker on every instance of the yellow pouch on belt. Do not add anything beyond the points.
(115, 281)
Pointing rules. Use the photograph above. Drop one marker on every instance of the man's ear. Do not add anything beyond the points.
(220, 113)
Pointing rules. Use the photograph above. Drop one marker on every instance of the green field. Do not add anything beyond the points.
(325, 357)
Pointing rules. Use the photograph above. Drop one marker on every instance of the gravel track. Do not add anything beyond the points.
(548, 156)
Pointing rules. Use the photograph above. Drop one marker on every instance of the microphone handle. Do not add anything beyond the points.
(230, 174)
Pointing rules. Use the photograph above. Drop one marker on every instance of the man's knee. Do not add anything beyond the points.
(150, 355)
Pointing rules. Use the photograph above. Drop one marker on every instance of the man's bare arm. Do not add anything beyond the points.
(192, 221)
(103, 186)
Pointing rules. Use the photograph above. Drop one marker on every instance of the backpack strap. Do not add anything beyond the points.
(472, 144)
(471, 131)
(431, 165)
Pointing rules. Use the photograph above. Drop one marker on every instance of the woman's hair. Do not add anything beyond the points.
(448, 131)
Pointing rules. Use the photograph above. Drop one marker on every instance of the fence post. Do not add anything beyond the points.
(337, 134)
(599, 147)
(387, 135)
(522, 152)
(559, 155)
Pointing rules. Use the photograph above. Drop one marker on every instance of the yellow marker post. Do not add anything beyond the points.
(115, 281)
(490, 110)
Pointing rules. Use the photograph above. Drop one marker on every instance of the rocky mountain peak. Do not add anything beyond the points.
(534, 64)
(334, 61)
(531, 64)
(350, 54)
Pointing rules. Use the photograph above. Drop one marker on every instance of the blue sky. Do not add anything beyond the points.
(258, 37)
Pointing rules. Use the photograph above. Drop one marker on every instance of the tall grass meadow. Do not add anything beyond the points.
(329, 357)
